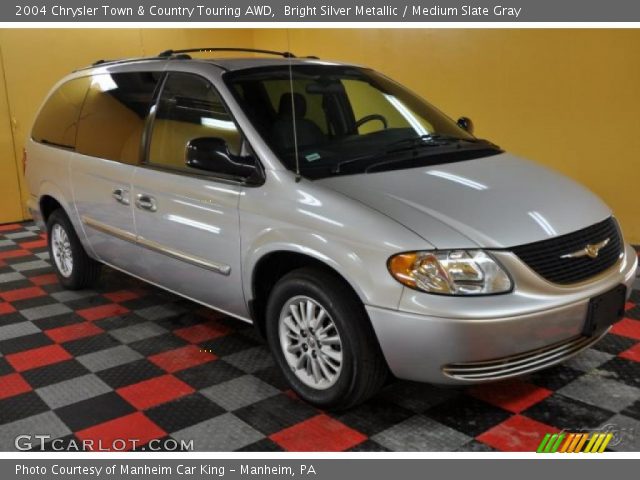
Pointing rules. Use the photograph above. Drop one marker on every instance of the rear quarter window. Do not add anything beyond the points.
(57, 122)
(114, 115)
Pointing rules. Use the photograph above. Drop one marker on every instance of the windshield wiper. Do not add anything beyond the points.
(418, 142)
(397, 146)
(428, 140)
(337, 168)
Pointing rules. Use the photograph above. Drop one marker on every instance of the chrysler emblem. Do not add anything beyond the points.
(591, 250)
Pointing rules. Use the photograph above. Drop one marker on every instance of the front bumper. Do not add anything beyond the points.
(491, 338)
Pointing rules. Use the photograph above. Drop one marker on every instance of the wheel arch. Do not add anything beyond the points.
(273, 265)
(51, 198)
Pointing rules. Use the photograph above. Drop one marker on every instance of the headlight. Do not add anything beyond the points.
(450, 272)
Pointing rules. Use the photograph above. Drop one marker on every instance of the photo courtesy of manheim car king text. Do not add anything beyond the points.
(319, 239)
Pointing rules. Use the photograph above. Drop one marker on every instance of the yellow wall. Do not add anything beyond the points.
(569, 99)
(10, 202)
(566, 98)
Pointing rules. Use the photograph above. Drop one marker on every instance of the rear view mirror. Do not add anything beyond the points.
(466, 124)
(212, 154)
(324, 88)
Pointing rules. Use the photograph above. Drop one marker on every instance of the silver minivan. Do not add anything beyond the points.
(364, 233)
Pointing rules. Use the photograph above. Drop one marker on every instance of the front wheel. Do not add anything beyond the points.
(322, 340)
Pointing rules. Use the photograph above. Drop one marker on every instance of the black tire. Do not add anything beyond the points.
(364, 370)
(85, 270)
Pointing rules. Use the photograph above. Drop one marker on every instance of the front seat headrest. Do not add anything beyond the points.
(299, 102)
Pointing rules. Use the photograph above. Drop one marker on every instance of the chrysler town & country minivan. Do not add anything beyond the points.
(363, 232)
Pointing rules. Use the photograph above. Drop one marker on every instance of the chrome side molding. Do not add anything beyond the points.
(109, 230)
(185, 257)
(156, 247)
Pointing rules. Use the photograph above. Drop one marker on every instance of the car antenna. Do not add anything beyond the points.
(293, 111)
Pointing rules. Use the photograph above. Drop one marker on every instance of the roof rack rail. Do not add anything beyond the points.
(116, 62)
(169, 53)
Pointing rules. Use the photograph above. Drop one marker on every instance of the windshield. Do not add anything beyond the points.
(344, 120)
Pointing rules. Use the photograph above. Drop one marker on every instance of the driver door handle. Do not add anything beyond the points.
(121, 195)
(146, 202)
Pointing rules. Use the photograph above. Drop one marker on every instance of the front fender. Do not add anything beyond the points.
(363, 268)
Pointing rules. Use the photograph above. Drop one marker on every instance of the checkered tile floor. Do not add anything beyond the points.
(130, 361)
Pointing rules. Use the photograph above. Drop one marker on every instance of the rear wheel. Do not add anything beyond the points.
(74, 268)
(322, 340)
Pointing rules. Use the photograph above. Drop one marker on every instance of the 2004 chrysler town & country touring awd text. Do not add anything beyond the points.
(361, 230)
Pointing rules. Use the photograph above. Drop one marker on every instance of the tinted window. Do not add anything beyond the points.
(189, 108)
(114, 113)
(337, 120)
(58, 119)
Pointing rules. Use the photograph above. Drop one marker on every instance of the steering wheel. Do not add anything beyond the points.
(369, 118)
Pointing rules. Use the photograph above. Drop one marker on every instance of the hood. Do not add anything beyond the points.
(494, 202)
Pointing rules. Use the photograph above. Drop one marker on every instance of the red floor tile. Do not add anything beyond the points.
(202, 332)
(14, 254)
(22, 294)
(627, 327)
(121, 296)
(103, 311)
(155, 391)
(318, 434)
(133, 427)
(73, 332)
(181, 358)
(34, 244)
(46, 279)
(516, 434)
(10, 226)
(633, 353)
(37, 357)
(13, 384)
(6, 308)
(514, 396)
(629, 305)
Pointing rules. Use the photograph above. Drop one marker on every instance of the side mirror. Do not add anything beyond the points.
(466, 124)
(212, 154)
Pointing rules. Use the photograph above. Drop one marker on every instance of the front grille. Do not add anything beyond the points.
(544, 257)
(515, 365)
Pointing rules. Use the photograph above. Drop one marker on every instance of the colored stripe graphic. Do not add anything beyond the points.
(543, 443)
(605, 442)
(567, 442)
(555, 447)
(574, 443)
(592, 442)
(550, 443)
(581, 443)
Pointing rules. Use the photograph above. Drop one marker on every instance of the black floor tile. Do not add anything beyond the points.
(55, 373)
(208, 374)
(567, 414)
(468, 415)
(26, 342)
(275, 413)
(184, 412)
(21, 406)
(94, 411)
(130, 373)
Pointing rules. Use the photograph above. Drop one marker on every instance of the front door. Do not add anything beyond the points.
(187, 219)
